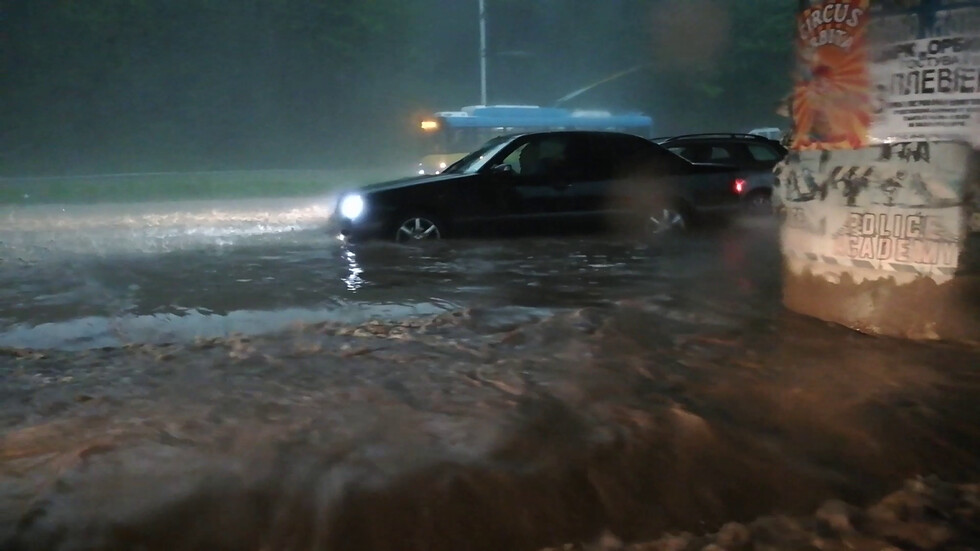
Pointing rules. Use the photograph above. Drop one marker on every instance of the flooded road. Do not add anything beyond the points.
(204, 376)
(93, 276)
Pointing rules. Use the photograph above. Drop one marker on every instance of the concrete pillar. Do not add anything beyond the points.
(879, 199)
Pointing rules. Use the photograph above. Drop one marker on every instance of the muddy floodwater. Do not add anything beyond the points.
(228, 376)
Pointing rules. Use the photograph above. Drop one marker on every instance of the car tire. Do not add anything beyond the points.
(418, 227)
(759, 203)
(666, 220)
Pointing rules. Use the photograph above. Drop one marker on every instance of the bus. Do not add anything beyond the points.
(449, 135)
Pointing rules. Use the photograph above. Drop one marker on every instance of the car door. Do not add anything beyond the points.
(584, 183)
(627, 176)
(519, 190)
(711, 186)
(585, 202)
(695, 175)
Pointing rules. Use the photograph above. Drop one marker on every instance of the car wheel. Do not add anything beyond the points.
(759, 203)
(666, 220)
(418, 227)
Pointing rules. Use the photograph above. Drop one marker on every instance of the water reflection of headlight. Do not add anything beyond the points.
(352, 206)
(353, 279)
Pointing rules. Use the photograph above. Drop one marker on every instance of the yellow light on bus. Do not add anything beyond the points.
(429, 126)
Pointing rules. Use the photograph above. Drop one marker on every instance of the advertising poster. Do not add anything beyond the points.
(886, 107)
(879, 71)
(832, 101)
(925, 65)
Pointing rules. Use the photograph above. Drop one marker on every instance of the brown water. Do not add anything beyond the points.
(212, 382)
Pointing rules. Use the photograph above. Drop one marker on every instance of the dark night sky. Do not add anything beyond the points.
(120, 85)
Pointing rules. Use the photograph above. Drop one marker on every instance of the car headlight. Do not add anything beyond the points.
(351, 206)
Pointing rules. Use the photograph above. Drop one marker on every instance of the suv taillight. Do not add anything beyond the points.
(739, 185)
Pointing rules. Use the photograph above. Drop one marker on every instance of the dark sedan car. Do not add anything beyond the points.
(545, 182)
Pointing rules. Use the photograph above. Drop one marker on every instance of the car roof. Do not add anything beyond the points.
(572, 131)
(518, 135)
(714, 136)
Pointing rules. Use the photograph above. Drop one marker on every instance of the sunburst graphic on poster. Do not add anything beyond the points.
(832, 91)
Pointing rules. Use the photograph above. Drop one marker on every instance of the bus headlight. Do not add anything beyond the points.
(351, 206)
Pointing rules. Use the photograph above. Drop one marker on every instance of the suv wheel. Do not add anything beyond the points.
(759, 202)
(666, 220)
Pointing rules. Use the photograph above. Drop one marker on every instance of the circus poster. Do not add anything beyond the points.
(832, 103)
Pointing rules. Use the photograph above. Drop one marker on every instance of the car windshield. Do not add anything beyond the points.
(475, 160)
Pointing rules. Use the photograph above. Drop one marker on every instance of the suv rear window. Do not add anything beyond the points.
(719, 153)
(763, 153)
(702, 153)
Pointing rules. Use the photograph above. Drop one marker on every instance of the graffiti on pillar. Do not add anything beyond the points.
(905, 151)
(831, 95)
(893, 207)
(880, 238)
(912, 184)
(925, 69)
